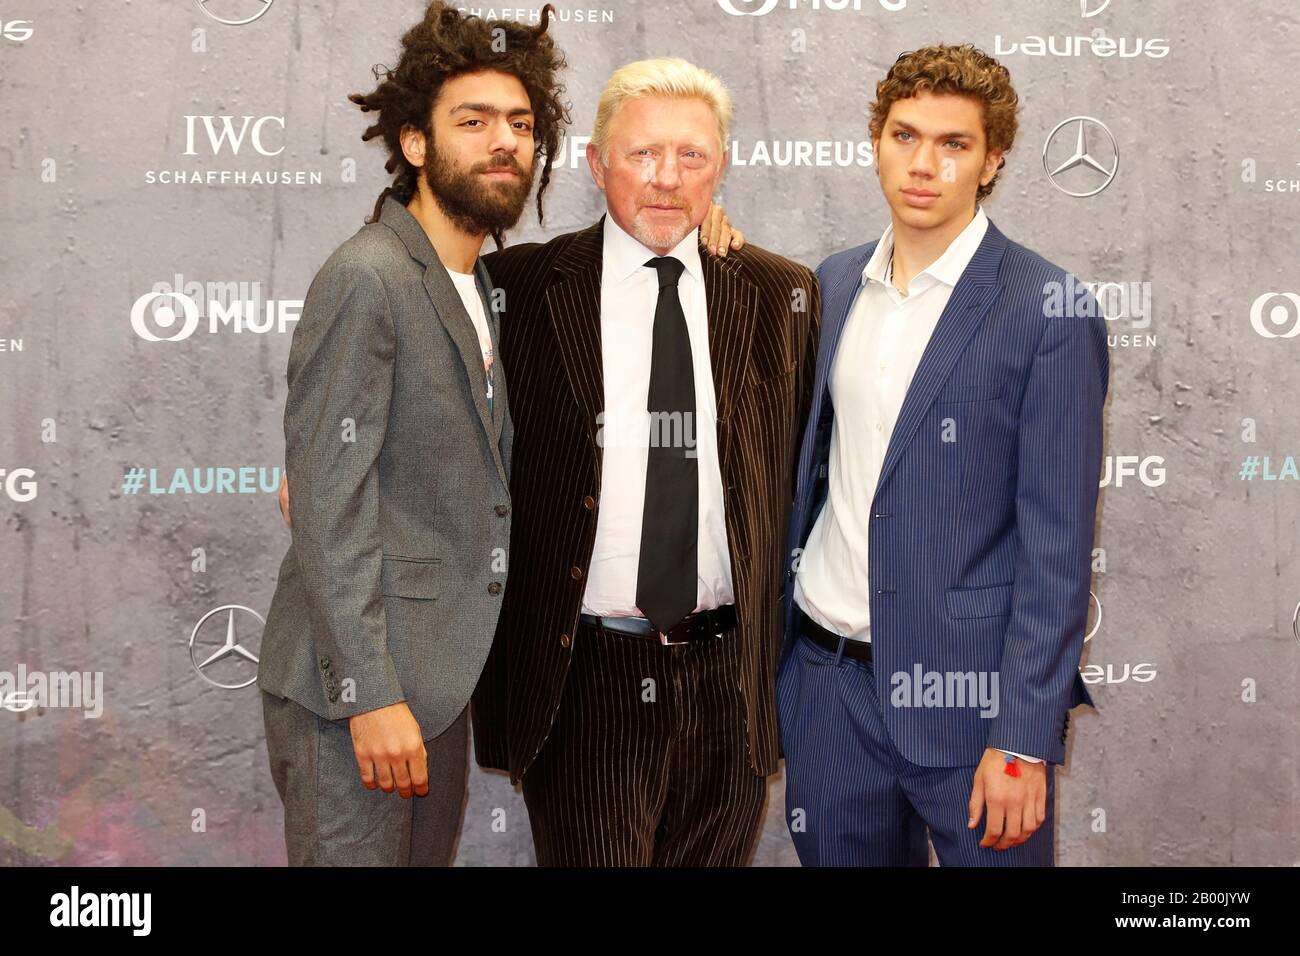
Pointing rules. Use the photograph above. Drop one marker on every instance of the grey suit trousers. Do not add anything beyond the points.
(331, 819)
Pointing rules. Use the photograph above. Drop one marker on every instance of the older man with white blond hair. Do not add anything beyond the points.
(656, 397)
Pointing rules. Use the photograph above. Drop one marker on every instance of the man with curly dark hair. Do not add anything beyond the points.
(398, 441)
(945, 505)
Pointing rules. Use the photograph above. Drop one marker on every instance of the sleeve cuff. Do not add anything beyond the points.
(1021, 756)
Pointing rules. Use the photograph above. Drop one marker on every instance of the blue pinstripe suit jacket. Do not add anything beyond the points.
(979, 547)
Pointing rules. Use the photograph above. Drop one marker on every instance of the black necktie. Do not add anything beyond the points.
(666, 572)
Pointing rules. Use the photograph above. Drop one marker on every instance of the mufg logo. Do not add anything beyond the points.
(174, 312)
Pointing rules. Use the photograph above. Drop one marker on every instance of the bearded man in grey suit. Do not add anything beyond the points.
(398, 440)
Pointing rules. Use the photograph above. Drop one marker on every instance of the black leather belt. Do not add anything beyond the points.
(858, 650)
(700, 626)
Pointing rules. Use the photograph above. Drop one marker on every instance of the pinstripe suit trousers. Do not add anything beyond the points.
(646, 763)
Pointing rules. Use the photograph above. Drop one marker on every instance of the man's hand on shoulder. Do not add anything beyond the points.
(716, 234)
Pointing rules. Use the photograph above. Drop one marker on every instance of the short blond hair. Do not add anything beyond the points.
(670, 77)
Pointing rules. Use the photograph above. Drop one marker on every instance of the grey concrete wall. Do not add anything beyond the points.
(1191, 757)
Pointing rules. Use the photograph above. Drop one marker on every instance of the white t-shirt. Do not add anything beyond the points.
(468, 289)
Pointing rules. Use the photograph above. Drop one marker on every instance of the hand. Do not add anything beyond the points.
(284, 498)
(390, 750)
(1017, 806)
(716, 234)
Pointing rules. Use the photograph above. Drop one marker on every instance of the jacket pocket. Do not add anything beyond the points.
(978, 392)
(994, 601)
(405, 577)
(774, 387)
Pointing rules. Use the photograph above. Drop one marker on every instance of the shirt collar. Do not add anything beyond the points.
(946, 269)
(622, 255)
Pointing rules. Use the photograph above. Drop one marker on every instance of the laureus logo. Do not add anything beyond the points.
(1090, 8)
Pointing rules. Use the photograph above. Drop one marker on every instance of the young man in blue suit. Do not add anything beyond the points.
(943, 520)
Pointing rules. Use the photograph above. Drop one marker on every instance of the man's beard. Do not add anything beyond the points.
(474, 203)
(662, 236)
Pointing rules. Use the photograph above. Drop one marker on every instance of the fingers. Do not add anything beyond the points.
(420, 772)
(402, 777)
(723, 242)
(1022, 821)
(1013, 810)
(406, 773)
(994, 823)
(1011, 829)
(384, 775)
(737, 238)
(711, 229)
(390, 750)
(975, 808)
(367, 772)
(1030, 823)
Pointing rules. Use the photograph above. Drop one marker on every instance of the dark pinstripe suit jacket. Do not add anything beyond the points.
(980, 547)
(763, 316)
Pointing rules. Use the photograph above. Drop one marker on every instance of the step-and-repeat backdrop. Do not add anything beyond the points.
(175, 171)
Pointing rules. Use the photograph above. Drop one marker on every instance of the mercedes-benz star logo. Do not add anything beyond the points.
(235, 13)
(1105, 164)
(228, 648)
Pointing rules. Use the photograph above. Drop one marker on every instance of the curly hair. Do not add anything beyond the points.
(447, 44)
(963, 70)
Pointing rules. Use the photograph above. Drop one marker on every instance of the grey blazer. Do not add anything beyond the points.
(398, 487)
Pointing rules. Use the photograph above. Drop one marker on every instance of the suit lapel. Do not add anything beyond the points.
(494, 327)
(573, 303)
(449, 309)
(731, 304)
(971, 298)
(837, 301)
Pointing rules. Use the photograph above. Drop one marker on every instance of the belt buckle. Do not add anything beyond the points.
(663, 639)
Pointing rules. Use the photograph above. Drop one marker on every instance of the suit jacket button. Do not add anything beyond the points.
(503, 510)
(575, 572)
(564, 640)
(589, 503)
(494, 587)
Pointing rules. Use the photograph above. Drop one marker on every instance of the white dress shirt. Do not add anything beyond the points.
(629, 291)
(879, 350)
